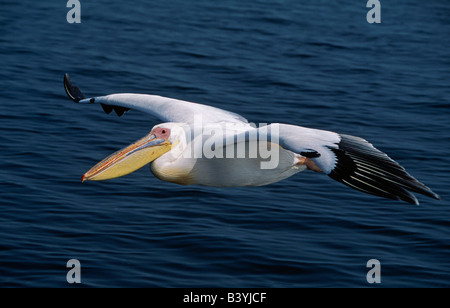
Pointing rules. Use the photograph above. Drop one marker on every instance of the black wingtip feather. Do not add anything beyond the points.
(120, 110)
(107, 109)
(365, 168)
(73, 92)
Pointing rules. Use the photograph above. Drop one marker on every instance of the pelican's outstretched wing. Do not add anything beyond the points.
(354, 162)
(348, 159)
(165, 109)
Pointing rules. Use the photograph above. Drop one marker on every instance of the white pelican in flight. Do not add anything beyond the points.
(238, 153)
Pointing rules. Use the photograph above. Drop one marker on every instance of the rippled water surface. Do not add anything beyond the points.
(317, 64)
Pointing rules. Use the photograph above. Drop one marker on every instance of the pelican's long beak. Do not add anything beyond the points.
(129, 159)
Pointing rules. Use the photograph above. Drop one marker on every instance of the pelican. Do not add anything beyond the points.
(203, 145)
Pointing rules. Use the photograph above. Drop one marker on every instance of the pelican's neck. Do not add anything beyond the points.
(172, 166)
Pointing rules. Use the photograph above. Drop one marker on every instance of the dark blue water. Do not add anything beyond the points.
(311, 63)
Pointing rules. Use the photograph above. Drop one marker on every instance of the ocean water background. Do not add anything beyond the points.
(311, 63)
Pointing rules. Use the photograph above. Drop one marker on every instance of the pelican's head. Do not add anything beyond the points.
(161, 139)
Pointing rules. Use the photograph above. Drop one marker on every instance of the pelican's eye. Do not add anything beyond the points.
(162, 133)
